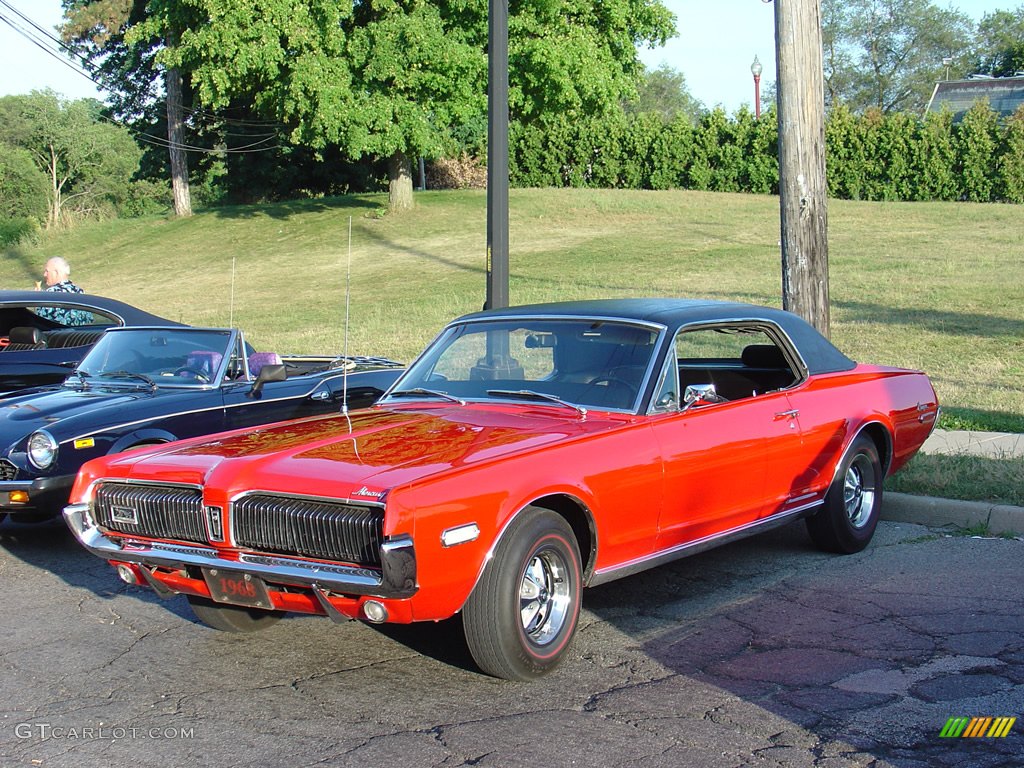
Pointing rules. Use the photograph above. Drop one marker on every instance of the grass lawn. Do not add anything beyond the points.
(936, 286)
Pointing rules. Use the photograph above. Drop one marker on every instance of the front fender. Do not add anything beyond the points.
(138, 436)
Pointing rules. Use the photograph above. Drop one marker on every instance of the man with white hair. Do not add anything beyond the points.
(57, 274)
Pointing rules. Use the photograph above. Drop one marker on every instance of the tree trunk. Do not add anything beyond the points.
(802, 192)
(399, 183)
(179, 161)
(54, 206)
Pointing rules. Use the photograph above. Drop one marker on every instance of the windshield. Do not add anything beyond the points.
(157, 356)
(587, 363)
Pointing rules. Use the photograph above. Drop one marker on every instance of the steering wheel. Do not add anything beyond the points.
(200, 376)
(611, 382)
(615, 390)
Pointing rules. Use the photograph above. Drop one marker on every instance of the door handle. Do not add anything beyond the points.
(787, 414)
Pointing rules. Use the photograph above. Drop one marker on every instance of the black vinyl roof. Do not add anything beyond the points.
(818, 352)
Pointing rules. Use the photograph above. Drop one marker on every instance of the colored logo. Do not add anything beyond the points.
(977, 727)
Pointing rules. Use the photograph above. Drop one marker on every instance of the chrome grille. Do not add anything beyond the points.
(161, 511)
(308, 527)
(7, 470)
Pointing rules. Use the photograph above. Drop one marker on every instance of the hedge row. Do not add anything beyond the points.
(870, 157)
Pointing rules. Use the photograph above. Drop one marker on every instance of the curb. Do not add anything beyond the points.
(936, 513)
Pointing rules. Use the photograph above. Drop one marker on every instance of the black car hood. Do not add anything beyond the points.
(59, 410)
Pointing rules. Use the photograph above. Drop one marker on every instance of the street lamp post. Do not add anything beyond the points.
(755, 70)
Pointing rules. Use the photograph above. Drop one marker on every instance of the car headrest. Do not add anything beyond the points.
(24, 334)
(204, 361)
(763, 356)
(258, 359)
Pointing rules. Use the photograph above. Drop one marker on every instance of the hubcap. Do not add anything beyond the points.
(859, 491)
(544, 596)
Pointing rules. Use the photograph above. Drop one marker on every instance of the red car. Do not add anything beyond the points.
(529, 452)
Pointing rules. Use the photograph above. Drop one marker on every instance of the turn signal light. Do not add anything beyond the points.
(18, 497)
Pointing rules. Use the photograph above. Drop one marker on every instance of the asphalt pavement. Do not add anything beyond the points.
(935, 513)
(765, 652)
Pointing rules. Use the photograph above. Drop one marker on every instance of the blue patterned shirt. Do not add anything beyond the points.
(63, 315)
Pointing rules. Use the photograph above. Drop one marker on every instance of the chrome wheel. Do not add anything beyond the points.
(859, 491)
(544, 596)
(847, 518)
(522, 614)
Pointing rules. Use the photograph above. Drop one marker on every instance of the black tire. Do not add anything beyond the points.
(847, 521)
(232, 618)
(522, 615)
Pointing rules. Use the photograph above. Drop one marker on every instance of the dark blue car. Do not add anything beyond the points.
(44, 334)
(142, 386)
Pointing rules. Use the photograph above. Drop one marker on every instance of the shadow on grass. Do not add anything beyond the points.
(978, 420)
(29, 265)
(936, 320)
(287, 209)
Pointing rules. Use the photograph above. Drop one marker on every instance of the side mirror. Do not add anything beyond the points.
(268, 373)
(701, 394)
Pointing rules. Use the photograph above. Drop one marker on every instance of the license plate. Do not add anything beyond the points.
(237, 588)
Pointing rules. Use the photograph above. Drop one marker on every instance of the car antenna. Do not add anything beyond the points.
(344, 354)
(231, 303)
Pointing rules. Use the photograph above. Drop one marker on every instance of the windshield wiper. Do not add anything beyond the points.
(129, 375)
(419, 391)
(530, 394)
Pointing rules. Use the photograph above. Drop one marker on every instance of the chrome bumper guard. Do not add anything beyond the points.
(396, 579)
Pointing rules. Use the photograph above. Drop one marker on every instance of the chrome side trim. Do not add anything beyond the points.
(397, 578)
(605, 575)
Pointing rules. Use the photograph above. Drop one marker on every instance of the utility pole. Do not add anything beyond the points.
(802, 191)
(497, 155)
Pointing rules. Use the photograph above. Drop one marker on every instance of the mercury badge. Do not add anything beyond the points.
(367, 493)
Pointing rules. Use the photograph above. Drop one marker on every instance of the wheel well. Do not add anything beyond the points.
(883, 442)
(581, 522)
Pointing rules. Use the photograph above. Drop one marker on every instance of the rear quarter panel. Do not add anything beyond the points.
(835, 408)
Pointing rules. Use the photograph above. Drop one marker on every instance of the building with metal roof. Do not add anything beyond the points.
(1004, 94)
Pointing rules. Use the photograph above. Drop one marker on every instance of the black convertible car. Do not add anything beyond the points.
(36, 349)
(142, 386)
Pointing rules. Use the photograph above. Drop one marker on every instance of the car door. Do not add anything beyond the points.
(726, 464)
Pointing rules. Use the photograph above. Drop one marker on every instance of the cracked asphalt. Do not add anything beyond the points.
(763, 653)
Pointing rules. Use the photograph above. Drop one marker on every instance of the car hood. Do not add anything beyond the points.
(387, 446)
(58, 410)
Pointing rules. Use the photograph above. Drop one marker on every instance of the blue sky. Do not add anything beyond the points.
(715, 47)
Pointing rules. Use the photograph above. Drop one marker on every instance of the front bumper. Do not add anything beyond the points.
(396, 578)
(46, 496)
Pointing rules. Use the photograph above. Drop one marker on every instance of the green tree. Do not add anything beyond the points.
(888, 54)
(398, 78)
(1011, 162)
(22, 185)
(999, 50)
(96, 30)
(663, 91)
(978, 138)
(88, 163)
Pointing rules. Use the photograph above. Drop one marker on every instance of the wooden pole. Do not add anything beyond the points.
(802, 191)
(497, 155)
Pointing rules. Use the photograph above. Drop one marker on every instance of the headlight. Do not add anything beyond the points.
(42, 450)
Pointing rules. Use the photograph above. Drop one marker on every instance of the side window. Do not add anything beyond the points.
(740, 361)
